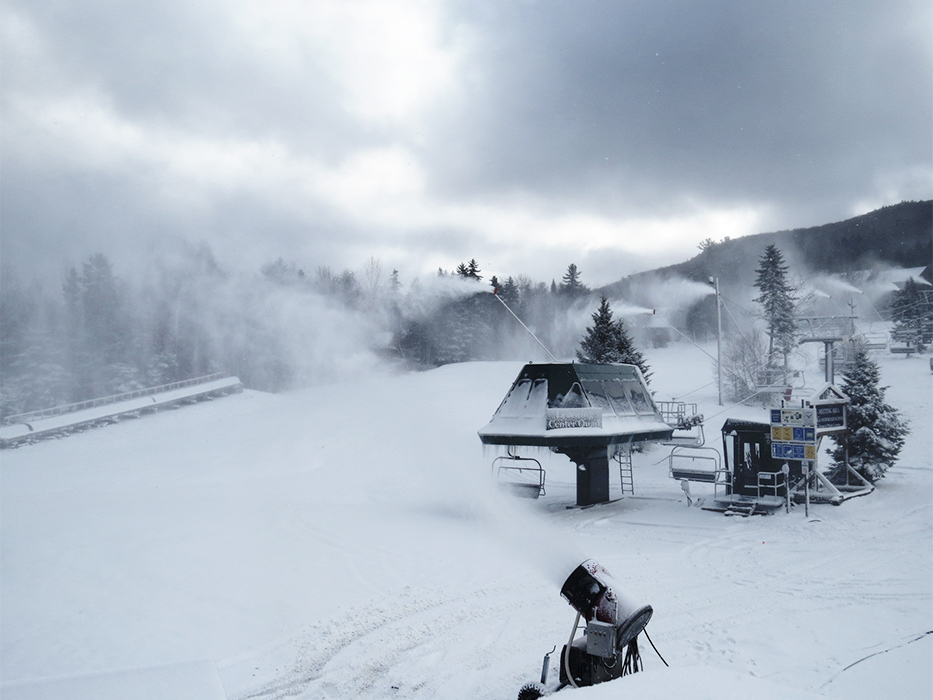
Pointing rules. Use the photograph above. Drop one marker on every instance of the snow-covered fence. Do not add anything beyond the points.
(105, 400)
(57, 422)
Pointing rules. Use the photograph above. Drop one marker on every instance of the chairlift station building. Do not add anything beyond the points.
(590, 413)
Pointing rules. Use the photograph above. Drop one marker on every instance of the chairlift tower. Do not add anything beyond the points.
(828, 330)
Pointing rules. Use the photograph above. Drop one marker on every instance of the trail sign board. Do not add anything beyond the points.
(793, 433)
(831, 416)
(830, 404)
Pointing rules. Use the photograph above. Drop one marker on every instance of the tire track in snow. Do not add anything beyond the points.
(399, 646)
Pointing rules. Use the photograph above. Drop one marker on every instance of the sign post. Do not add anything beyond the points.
(793, 437)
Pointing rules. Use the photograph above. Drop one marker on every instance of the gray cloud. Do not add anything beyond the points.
(639, 104)
(124, 124)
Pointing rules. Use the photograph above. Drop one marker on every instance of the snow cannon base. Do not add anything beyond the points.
(608, 649)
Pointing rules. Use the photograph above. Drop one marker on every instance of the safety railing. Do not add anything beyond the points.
(105, 400)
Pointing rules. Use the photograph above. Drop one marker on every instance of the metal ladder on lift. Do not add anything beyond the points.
(626, 477)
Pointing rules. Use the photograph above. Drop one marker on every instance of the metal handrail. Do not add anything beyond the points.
(775, 485)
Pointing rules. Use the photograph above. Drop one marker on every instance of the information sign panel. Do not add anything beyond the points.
(792, 450)
(791, 433)
(793, 416)
(831, 416)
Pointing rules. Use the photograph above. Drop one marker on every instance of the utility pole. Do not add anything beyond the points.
(715, 282)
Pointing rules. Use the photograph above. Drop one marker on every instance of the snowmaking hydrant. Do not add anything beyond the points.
(608, 649)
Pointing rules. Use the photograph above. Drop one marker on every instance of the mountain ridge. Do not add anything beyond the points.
(897, 235)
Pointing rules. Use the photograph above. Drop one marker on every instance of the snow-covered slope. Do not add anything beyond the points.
(346, 541)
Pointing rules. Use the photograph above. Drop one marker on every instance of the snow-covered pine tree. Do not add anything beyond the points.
(778, 303)
(912, 312)
(629, 353)
(876, 430)
(600, 345)
(607, 341)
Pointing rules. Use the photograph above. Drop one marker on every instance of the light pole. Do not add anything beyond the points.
(715, 282)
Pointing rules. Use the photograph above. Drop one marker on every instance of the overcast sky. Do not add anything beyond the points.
(528, 135)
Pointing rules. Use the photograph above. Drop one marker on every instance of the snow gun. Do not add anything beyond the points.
(608, 649)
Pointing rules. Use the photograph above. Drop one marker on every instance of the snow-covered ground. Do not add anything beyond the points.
(346, 541)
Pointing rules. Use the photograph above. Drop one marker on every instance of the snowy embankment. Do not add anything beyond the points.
(346, 541)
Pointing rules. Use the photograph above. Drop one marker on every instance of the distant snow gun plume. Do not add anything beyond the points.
(281, 336)
(671, 297)
(622, 308)
(425, 297)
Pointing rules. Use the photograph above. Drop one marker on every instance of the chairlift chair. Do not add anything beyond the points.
(523, 476)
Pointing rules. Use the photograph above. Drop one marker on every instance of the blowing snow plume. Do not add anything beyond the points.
(182, 316)
(659, 308)
(276, 328)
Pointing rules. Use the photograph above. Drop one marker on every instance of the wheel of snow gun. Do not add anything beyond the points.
(531, 691)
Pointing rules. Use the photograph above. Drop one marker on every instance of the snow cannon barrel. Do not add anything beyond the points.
(593, 592)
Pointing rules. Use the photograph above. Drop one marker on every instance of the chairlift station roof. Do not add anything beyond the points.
(575, 405)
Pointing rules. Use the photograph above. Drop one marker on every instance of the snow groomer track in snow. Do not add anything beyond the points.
(590, 413)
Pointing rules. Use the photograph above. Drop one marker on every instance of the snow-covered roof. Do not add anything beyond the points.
(576, 405)
(828, 393)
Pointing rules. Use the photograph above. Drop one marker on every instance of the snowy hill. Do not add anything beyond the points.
(345, 541)
(896, 236)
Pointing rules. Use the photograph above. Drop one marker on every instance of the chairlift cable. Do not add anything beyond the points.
(496, 295)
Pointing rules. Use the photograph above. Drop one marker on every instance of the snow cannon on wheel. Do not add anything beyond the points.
(608, 648)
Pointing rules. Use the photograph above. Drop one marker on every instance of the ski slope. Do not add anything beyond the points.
(346, 541)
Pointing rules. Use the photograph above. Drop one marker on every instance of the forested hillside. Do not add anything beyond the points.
(280, 326)
(899, 235)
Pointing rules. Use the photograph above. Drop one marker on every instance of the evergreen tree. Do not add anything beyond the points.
(101, 352)
(600, 345)
(470, 270)
(912, 312)
(34, 376)
(778, 303)
(348, 289)
(280, 272)
(571, 285)
(509, 292)
(876, 431)
(607, 342)
(394, 283)
(630, 354)
(18, 309)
